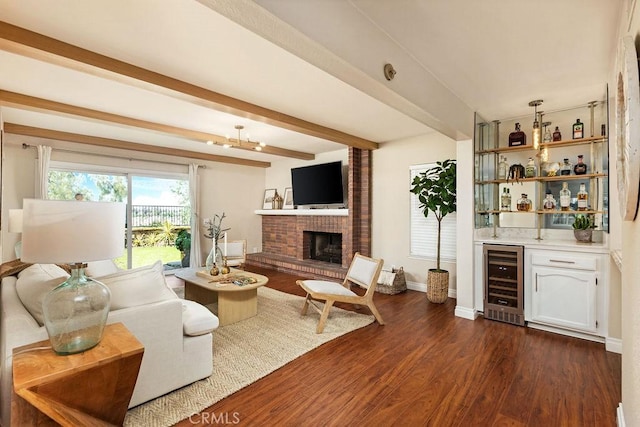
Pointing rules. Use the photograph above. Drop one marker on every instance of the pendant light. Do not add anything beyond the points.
(536, 123)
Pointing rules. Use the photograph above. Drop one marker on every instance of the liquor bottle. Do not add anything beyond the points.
(503, 167)
(557, 136)
(583, 198)
(517, 137)
(549, 201)
(565, 197)
(565, 168)
(524, 204)
(547, 135)
(530, 169)
(580, 168)
(505, 200)
(578, 129)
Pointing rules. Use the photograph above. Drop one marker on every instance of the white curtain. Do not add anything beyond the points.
(42, 172)
(196, 256)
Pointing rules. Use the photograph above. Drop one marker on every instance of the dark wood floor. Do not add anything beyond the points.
(428, 367)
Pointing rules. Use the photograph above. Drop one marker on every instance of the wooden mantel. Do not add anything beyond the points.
(304, 212)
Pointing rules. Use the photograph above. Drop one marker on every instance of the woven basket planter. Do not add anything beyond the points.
(437, 285)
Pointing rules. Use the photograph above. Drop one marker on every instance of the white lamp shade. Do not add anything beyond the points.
(57, 232)
(15, 220)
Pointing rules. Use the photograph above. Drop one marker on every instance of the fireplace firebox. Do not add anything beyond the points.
(325, 246)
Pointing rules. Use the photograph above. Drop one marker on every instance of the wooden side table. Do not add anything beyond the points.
(89, 388)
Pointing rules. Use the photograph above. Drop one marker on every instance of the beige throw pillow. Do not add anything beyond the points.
(101, 268)
(34, 283)
(138, 286)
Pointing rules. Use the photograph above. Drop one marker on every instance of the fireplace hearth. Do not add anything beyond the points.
(325, 247)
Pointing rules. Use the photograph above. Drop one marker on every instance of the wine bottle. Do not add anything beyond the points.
(517, 137)
(565, 168)
(565, 197)
(530, 169)
(583, 198)
(549, 201)
(503, 167)
(580, 168)
(504, 200)
(578, 129)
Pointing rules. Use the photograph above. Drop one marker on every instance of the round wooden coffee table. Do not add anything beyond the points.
(235, 303)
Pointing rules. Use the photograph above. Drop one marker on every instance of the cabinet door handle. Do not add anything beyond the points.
(536, 282)
(562, 261)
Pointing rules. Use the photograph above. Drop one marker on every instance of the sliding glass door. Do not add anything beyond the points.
(158, 211)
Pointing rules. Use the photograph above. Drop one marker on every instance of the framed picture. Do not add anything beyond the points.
(288, 198)
(269, 193)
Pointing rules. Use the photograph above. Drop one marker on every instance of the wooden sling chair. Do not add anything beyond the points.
(363, 271)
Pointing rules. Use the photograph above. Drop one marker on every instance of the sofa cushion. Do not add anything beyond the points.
(101, 268)
(197, 319)
(34, 283)
(138, 286)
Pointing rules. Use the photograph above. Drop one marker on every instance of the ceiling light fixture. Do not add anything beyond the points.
(536, 123)
(257, 146)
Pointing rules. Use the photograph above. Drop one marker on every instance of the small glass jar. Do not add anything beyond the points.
(549, 202)
(524, 204)
(565, 168)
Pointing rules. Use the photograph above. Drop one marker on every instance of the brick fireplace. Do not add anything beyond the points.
(322, 246)
(286, 235)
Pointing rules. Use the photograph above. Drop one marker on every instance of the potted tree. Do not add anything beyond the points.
(183, 244)
(436, 191)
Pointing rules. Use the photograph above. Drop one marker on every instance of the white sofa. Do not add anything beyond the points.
(176, 334)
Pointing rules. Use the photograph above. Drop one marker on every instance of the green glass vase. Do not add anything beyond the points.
(75, 313)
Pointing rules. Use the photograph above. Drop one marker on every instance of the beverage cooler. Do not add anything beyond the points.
(504, 283)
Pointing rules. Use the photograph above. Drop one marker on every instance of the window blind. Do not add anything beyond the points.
(424, 231)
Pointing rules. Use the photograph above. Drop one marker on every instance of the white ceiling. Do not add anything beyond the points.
(453, 57)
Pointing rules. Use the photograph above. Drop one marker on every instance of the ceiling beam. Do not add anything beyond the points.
(28, 43)
(18, 100)
(126, 145)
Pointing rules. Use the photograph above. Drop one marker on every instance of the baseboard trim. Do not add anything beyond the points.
(466, 313)
(417, 286)
(613, 345)
(566, 332)
(422, 287)
(620, 416)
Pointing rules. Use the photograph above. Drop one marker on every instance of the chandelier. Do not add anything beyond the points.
(246, 144)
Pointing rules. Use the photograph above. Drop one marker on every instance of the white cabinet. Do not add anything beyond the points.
(564, 291)
(564, 297)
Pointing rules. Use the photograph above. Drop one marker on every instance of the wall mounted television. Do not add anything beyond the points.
(317, 184)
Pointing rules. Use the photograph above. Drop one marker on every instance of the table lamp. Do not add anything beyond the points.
(15, 226)
(73, 232)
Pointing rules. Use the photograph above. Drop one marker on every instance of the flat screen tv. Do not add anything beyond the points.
(317, 184)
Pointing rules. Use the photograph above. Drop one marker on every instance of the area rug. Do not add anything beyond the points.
(248, 350)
